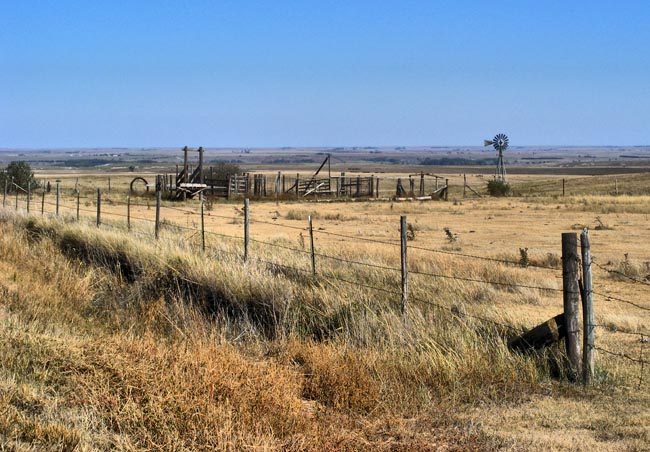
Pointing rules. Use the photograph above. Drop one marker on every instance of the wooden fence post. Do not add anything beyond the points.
(128, 212)
(202, 224)
(43, 203)
(29, 194)
(405, 276)
(78, 202)
(246, 229)
(58, 193)
(109, 185)
(4, 197)
(377, 187)
(311, 242)
(563, 183)
(571, 292)
(157, 225)
(588, 339)
(464, 185)
(99, 207)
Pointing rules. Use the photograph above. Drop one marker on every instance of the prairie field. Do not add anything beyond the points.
(115, 340)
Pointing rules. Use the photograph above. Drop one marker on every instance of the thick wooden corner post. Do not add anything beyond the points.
(571, 291)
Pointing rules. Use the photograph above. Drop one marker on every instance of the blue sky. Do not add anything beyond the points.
(323, 73)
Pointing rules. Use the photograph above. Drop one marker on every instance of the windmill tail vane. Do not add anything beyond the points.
(487, 143)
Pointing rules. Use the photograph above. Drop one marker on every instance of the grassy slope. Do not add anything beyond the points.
(107, 342)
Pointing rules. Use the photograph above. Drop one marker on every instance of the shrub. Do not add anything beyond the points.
(498, 188)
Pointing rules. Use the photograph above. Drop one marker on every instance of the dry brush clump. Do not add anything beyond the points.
(150, 345)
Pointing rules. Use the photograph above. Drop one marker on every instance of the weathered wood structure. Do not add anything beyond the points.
(190, 180)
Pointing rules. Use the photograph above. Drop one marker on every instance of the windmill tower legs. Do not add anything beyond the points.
(501, 169)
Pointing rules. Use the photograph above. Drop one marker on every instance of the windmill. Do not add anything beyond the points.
(500, 143)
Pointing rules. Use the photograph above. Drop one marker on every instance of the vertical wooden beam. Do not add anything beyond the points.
(405, 275)
(99, 207)
(421, 183)
(109, 185)
(298, 184)
(377, 187)
(563, 183)
(446, 189)
(200, 164)
(58, 194)
(202, 224)
(157, 225)
(186, 177)
(464, 185)
(588, 339)
(78, 202)
(128, 212)
(616, 186)
(246, 229)
(4, 197)
(571, 298)
(311, 242)
(43, 202)
(29, 193)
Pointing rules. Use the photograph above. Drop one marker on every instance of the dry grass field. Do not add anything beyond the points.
(113, 340)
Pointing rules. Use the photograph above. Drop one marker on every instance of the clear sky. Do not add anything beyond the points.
(311, 73)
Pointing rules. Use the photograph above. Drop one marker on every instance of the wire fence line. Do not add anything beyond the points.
(621, 274)
(328, 275)
(347, 260)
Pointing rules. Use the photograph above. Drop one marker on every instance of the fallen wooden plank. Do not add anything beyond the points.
(541, 336)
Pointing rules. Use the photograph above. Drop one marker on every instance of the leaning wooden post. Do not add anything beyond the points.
(588, 339)
(99, 207)
(405, 275)
(128, 212)
(311, 242)
(246, 229)
(202, 224)
(571, 291)
(58, 193)
(29, 194)
(157, 225)
(78, 202)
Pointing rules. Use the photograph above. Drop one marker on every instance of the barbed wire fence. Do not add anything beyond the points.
(57, 208)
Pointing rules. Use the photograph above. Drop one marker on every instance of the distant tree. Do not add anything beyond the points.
(20, 173)
(132, 168)
(222, 170)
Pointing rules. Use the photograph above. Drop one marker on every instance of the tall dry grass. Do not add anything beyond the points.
(114, 342)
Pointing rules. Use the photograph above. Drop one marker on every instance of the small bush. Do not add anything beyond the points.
(498, 188)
